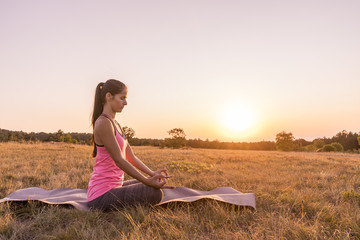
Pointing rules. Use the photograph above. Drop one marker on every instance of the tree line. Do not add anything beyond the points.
(59, 136)
(342, 141)
(284, 141)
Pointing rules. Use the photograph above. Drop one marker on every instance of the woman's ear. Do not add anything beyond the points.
(108, 97)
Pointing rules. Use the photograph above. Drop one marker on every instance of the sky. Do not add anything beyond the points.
(225, 69)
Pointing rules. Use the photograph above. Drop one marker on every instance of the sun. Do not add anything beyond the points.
(238, 118)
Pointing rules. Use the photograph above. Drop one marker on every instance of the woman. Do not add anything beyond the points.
(114, 156)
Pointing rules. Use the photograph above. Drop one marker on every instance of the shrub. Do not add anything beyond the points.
(338, 147)
(310, 148)
(328, 148)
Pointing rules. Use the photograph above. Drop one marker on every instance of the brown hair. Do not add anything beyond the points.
(112, 86)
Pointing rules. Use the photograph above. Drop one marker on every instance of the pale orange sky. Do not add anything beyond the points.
(293, 64)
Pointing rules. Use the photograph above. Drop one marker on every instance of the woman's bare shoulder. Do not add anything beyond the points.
(102, 123)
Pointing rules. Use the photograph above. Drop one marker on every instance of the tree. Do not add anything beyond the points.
(177, 133)
(284, 141)
(59, 136)
(358, 138)
(318, 143)
(177, 139)
(300, 143)
(67, 138)
(347, 139)
(129, 132)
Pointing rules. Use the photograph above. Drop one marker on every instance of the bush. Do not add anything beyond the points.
(310, 148)
(338, 147)
(328, 148)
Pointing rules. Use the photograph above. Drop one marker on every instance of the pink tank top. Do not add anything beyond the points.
(106, 174)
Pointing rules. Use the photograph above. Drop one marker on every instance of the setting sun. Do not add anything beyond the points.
(237, 119)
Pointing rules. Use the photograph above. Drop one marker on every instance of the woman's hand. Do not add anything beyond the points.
(161, 171)
(158, 181)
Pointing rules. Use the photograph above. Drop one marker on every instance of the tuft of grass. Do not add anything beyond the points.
(352, 196)
(300, 195)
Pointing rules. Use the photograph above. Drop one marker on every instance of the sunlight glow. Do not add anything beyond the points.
(238, 119)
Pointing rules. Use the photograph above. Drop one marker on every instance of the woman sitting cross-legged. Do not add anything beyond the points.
(107, 189)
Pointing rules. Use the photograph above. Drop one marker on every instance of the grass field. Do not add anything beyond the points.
(299, 195)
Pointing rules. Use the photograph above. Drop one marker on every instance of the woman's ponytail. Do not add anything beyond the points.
(98, 103)
(98, 109)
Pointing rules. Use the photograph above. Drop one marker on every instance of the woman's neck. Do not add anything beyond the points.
(110, 114)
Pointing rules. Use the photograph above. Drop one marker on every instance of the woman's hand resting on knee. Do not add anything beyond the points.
(161, 171)
(158, 180)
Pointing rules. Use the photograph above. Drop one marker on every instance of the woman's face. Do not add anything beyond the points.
(118, 101)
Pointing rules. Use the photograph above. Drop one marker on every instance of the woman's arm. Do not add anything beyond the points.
(103, 129)
(130, 156)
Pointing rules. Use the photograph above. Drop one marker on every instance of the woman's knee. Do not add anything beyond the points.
(155, 195)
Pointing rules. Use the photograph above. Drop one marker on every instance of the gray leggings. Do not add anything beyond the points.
(131, 193)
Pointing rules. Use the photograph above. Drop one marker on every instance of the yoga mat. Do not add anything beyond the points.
(78, 197)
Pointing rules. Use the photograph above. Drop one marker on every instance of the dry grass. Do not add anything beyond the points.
(299, 195)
